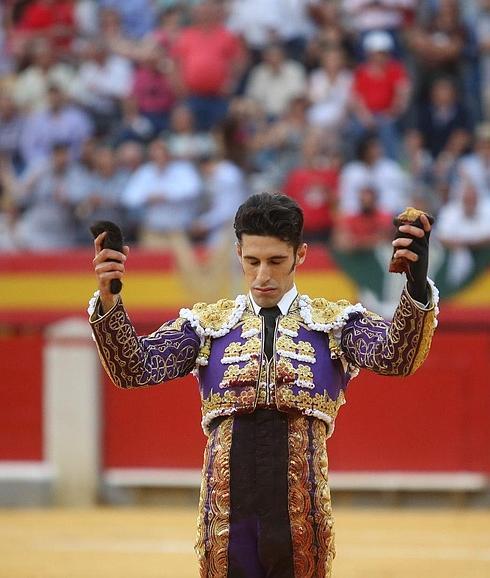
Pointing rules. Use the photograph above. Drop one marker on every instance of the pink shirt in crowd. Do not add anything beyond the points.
(206, 58)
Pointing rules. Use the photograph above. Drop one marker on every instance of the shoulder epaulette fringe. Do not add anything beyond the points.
(215, 319)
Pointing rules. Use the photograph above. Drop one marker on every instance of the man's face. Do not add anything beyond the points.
(269, 266)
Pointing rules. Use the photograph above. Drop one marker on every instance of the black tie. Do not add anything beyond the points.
(270, 315)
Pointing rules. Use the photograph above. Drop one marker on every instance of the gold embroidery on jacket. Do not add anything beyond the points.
(215, 561)
(323, 508)
(135, 362)
(404, 348)
(299, 501)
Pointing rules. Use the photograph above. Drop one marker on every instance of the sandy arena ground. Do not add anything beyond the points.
(158, 543)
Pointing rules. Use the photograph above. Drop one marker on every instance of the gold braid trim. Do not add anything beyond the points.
(425, 341)
(219, 503)
(323, 508)
(201, 538)
(299, 502)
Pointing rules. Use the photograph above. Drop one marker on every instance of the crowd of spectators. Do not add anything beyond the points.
(163, 115)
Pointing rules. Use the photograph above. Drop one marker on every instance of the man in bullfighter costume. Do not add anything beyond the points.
(272, 366)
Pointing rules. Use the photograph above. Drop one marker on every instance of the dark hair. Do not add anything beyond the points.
(270, 215)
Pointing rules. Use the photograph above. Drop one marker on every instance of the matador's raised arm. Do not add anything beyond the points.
(133, 361)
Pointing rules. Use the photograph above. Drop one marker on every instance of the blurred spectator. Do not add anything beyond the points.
(86, 18)
(101, 198)
(365, 229)
(373, 170)
(31, 85)
(314, 184)
(133, 126)
(418, 163)
(380, 92)
(225, 189)
(277, 147)
(275, 81)
(482, 31)
(445, 167)
(441, 117)
(475, 167)
(210, 61)
(463, 227)
(168, 29)
(137, 16)
(329, 34)
(364, 16)
(129, 157)
(153, 87)
(102, 81)
(261, 23)
(329, 91)
(437, 47)
(87, 153)
(60, 122)
(11, 127)
(164, 194)
(465, 221)
(115, 37)
(52, 19)
(183, 141)
(47, 195)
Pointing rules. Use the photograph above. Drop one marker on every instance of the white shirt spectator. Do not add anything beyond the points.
(49, 196)
(456, 226)
(99, 85)
(329, 98)
(275, 89)
(31, 86)
(260, 22)
(168, 197)
(474, 168)
(226, 189)
(44, 129)
(463, 224)
(385, 176)
(364, 15)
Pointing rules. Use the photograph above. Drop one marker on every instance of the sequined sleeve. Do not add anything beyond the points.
(133, 361)
(396, 348)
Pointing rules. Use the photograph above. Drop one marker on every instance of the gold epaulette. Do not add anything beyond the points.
(215, 319)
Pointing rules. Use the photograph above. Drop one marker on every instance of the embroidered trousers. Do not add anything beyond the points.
(265, 508)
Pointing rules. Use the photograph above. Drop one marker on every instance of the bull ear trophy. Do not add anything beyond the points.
(113, 240)
(410, 216)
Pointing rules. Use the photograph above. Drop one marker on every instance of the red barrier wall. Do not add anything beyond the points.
(21, 398)
(435, 420)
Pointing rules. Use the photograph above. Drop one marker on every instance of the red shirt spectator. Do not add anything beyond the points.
(206, 58)
(207, 54)
(378, 87)
(53, 17)
(315, 189)
(365, 229)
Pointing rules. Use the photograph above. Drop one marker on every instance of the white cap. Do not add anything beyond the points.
(378, 41)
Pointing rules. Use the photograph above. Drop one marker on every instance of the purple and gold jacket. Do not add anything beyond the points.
(318, 347)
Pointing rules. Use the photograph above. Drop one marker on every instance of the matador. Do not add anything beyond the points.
(273, 368)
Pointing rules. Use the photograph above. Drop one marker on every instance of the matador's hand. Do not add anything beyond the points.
(412, 246)
(108, 265)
